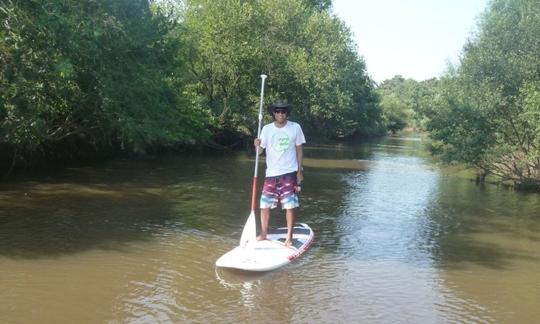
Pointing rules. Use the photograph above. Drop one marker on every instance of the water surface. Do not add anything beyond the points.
(397, 240)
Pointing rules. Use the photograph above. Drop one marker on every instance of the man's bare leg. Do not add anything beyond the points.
(290, 224)
(265, 216)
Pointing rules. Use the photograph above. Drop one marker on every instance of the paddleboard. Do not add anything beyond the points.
(271, 253)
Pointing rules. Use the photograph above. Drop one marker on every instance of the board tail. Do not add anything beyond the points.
(249, 233)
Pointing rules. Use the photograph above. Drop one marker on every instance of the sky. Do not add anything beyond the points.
(413, 38)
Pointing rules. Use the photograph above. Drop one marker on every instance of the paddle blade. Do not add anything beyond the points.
(249, 233)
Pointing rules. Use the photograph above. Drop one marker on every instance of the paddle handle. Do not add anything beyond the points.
(254, 187)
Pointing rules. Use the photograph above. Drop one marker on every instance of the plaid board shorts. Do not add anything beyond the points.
(280, 189)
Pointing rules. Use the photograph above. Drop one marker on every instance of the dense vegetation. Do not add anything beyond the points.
(486, 111)
(403, 102)
(80, 77)
(85, 78)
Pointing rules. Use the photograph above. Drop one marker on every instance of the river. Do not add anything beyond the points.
(398, 239)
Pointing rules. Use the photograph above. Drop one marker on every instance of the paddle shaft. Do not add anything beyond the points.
(254, 185)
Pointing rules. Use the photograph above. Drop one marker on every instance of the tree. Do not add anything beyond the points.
(307, 53)
(487, 111)
(319, 4)
(79, 78)
(82, 76)
(398, 96)
(403, 101)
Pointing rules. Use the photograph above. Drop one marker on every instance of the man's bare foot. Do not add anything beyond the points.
(261, 237)
(288, 243)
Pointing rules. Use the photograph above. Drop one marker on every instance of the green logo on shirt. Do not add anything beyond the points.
(280, 142)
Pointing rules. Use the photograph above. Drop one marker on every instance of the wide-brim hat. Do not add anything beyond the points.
(280, 104)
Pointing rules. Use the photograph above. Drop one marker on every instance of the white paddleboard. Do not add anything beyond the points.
(271, 253)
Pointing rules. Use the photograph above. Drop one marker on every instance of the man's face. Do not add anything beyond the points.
(280, 115)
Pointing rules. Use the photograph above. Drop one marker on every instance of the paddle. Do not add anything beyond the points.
(249, 232)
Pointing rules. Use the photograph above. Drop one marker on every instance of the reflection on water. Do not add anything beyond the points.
(396, 240)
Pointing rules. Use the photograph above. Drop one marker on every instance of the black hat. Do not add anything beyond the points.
(280, 104)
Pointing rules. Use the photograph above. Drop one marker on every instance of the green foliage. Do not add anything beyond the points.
(307, 53)
(403, 102)
(394, 113)
(79, 77)
(397, 102)
(320, 5)
(99, 73)
(487, 111)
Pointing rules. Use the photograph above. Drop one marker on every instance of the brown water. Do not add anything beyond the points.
(397, 241)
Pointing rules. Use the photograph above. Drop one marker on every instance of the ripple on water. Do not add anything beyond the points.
(394, 242)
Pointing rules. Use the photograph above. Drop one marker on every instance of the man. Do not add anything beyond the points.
(282, 139)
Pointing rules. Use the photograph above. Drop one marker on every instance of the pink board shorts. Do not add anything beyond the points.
(280, 189)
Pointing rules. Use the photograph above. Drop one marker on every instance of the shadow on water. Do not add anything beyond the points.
(61, 222)
(108, 207)
(485, 225)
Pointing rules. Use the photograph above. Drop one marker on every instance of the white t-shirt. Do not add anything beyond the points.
(280, 145)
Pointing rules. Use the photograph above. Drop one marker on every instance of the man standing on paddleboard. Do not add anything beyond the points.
(282, 140)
